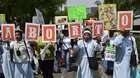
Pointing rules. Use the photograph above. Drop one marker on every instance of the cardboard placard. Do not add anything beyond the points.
(107, 13)
(125, 20)
(49, 33)
(32, 32)
(61, 19)
(8, 32)
(77, 12)
(97, 29)
(75, 30)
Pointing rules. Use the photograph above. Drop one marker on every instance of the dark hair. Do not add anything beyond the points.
(18, 31)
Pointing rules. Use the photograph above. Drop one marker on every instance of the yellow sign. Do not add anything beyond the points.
(107, 12)
(2, 16)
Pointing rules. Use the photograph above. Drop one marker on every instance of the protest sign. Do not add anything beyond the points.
(32, 32)
(8, 32)
(88, 22)
(107, 12)
(61, 19)
(77, 12)
(110, 53)
(75, 30)
(2, 16)
(125, 20)
(49, 33)
(93, 18)
(98, 27)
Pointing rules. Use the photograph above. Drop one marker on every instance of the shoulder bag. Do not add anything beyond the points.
(133, 61)
(93, 63)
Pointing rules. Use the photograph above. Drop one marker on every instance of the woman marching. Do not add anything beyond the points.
(46, 57)
(6, 59)
(124, 46)
(22, 57)
(108, 41)
(1, 52)
(83, 64)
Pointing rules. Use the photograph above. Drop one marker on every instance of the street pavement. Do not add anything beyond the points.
(71, 74)
(64, 74)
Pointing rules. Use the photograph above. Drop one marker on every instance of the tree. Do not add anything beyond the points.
(25, 9)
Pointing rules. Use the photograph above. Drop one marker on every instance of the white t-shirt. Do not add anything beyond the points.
(66, 43)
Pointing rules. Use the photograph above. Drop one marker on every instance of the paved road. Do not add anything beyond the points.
(97, 74)
(72, 74)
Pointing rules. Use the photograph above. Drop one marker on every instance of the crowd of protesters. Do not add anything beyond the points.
(23, 59)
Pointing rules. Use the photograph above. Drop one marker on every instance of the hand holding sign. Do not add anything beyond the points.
(50, 43)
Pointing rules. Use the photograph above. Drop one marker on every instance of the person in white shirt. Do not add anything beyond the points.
(22, 57)
(66, 46)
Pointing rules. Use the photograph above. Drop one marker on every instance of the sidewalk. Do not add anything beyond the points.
(101, 69)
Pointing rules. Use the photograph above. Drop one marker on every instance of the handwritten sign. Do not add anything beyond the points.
(77, 12)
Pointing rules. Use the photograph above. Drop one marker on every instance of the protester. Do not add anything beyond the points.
(83, 65)
(66, 46)
(46, 60)
(7, 65)
(35, 63)
(124, 47)
(1, 52)
(22, 57)
(108, 41)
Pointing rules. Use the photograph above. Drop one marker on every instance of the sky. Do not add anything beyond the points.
(88, 3)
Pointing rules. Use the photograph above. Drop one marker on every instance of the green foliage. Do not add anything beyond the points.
(61, 13)
(124, 5)
(96, 14)
(109, 1)
(25, 9)
(138, 44)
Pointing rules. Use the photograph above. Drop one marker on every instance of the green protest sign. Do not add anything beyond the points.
(109, 47)
(77, 12)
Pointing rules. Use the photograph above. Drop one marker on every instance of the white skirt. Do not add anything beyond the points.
(83, 69)
(7, 65)
(23, 70)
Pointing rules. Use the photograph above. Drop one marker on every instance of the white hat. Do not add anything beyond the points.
(87, 31)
